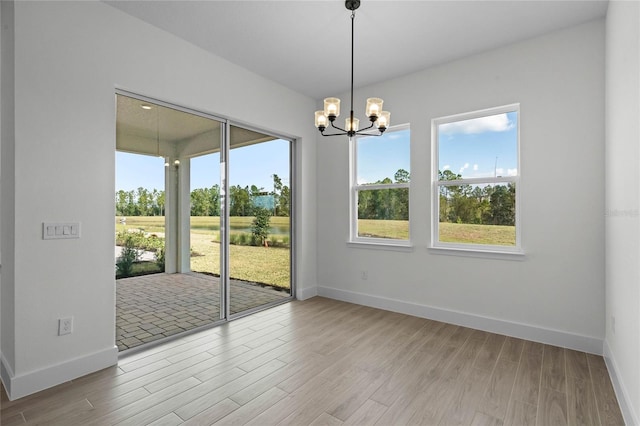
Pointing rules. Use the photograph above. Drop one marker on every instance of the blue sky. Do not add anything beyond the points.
(250, 165)
(475, 148)
(380, 157)
(481, 147)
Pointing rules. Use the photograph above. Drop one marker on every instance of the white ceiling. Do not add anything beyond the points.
(305, 44)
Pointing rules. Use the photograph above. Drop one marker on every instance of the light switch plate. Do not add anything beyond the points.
(60, 230)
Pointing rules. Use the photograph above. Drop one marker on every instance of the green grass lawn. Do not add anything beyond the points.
(398, 229)
(272, 265)
(149, 224)
(477, 234)
(449, 232)
(257, 264)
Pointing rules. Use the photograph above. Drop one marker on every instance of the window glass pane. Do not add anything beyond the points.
(383, 213)
(383, 159)
(479, 147)
(478, 214)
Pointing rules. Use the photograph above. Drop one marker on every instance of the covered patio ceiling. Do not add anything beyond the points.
(152, 128)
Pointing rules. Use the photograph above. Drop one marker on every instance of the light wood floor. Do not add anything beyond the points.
(324, 362)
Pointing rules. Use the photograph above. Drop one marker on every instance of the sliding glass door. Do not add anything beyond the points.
(221, 223)
(259, 220)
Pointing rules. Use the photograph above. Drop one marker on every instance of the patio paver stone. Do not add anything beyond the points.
(153, 307)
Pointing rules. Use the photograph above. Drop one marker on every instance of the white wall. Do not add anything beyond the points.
(7, 181)
(622, 345)
(69, 58)
(554, 295)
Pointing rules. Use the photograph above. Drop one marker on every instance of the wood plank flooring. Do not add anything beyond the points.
(325, 362)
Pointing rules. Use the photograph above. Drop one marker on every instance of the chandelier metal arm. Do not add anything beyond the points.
(339, 128)
(361, 132)
(366, 128)
(332, 134)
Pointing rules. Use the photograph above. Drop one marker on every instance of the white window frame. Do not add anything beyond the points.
(372, 242)
(468, 248)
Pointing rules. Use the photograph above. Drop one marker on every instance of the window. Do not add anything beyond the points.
(380, 188)
(476, 176)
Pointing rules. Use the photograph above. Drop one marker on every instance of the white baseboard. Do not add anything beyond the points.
(35, 381)
(5, 374)
(523, 331)
(306, 293)
(630, 417)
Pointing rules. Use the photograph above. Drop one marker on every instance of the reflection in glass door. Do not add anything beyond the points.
(259, 237)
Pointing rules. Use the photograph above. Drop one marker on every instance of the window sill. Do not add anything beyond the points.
(479, 253)
(381, 245)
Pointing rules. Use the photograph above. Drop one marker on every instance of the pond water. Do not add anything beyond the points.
(273, 229)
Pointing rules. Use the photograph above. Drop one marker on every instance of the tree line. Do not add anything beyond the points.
(488, 205)
(385, 204)
(206, 201)
(484, 205)
(140, 202)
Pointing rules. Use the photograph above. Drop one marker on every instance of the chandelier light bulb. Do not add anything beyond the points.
(352, 126)
(321, 119)
(332, 107)
(374, 107)
(383, 120)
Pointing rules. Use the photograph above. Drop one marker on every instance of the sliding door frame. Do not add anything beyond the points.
(292, 216)
(226, 124)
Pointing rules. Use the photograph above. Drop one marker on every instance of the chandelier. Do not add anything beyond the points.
(326, 118)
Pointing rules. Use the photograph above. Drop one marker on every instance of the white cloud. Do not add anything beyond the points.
(475, 167)
(446, 167)
(463, 168)
(492, 123)
(508, 172)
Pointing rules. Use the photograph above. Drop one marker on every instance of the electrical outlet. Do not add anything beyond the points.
(364, 275)
(65, 326)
